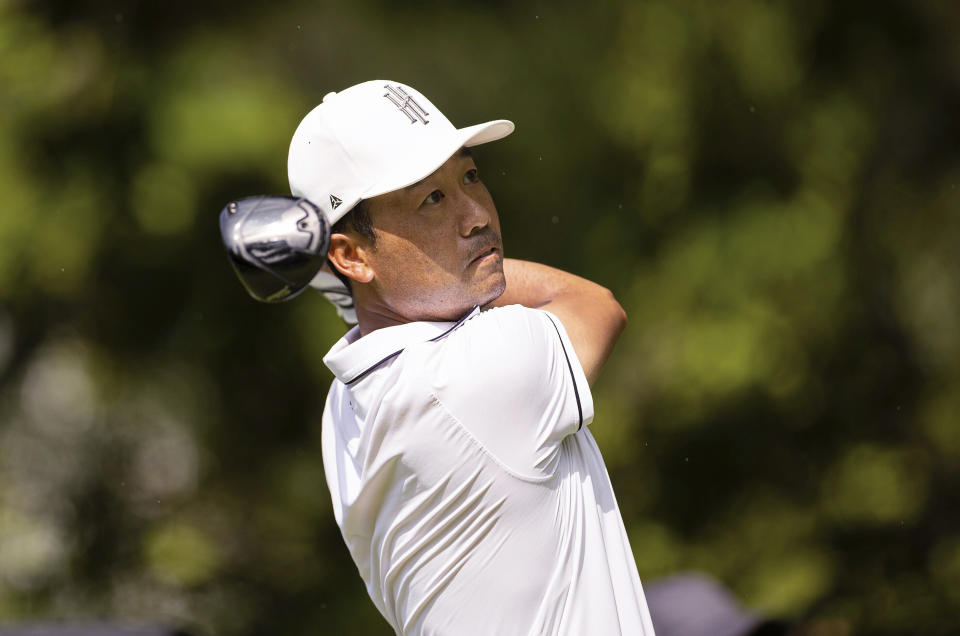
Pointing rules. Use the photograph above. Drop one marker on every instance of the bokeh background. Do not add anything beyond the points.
(770, 188)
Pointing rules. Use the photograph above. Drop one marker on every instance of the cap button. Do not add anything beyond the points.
(329, 95)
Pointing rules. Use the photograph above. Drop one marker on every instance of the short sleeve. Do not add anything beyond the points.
(510, 376)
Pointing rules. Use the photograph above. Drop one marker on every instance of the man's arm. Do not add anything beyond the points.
(591, 315)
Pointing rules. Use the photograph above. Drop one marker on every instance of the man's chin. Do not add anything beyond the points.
(494, 294)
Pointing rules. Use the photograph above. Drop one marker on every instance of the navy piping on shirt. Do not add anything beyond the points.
(576, 393)
(399, 351)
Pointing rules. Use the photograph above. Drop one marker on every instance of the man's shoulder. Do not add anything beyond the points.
(510, 349)
(509, 323)
(513, 331)
(504, 348)
(506, 377)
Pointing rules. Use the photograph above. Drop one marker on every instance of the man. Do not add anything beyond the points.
(464, 479)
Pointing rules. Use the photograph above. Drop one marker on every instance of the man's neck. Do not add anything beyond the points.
(369, 319)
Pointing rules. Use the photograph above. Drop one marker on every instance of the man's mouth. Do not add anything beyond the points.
(490, 252)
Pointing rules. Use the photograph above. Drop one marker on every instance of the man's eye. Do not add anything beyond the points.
(434, 197)
(472, 176)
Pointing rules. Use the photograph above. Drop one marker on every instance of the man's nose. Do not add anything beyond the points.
(474, 215)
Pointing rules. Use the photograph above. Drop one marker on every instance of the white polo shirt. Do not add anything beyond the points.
(469, 492)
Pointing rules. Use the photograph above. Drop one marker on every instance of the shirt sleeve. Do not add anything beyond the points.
(510, 377)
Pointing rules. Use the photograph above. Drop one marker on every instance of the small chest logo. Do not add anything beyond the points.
(406, 104)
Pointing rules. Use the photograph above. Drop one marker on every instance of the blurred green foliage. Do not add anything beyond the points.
(770, 188)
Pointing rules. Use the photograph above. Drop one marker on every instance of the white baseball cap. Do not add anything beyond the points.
(371, 139)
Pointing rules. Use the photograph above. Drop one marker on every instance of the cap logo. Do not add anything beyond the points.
(335, 202)
(406, 104)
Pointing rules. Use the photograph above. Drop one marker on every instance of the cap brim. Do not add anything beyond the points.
(430, 163)
(490, 131)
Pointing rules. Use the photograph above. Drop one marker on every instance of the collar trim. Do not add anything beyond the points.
(344, 362)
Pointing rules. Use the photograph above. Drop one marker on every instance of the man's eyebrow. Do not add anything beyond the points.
(463, 152)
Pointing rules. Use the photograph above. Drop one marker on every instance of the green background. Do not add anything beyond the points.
(770, 189)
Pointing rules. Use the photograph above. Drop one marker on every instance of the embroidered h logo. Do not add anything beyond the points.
(399, 98)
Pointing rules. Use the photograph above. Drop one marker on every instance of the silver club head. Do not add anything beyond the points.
(276, 244)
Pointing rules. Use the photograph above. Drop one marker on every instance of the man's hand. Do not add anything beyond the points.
(591, 315)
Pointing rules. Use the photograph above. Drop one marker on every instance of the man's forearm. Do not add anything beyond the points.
(591, 315)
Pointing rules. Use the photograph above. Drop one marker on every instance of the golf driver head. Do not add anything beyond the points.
(276, 244)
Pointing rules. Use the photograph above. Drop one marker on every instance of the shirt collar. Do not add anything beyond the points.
(354, 357)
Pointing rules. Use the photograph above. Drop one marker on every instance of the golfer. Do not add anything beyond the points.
(456, 442)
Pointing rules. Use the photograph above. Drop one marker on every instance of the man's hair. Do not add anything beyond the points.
(358, 220)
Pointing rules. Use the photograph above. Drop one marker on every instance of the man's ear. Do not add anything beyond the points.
(349, 256)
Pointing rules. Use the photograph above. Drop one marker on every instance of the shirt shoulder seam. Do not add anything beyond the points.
(573, 376)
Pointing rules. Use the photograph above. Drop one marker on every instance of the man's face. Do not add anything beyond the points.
(438, 251)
